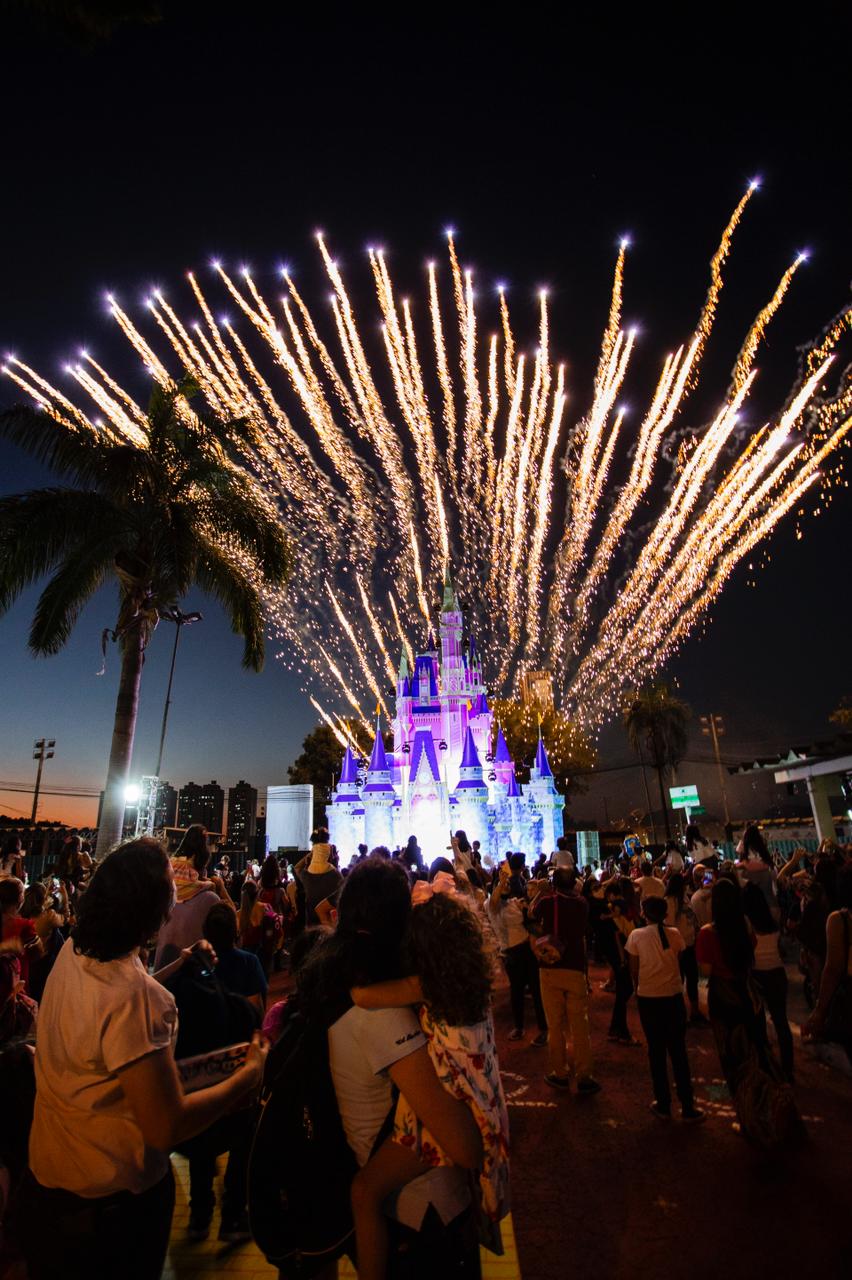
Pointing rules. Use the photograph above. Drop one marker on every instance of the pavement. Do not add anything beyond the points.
(602, 1188)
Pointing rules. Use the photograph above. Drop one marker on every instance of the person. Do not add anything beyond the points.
(451, 983)
(699, 849)
(757, 867)
(238, 971)
(649, 885)
(507, 907)
(278, 1014)
(274, 894)
(49, 916)
(412, 855)
(615, 927)
(769, 974)
(196, 895)
(680, 916)
(12, 858)
(699, 903)
(563, 916)
(257, 925)
(109, 1104)
(833, 1011)
(725, 952)
(462, 852)
(69, 866)
(373, 1051)
(562, 855)
(653, 953)
(15, 929)
(320, 881)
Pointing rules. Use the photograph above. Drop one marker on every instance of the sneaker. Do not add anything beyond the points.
(557, 1082)
(660, 1112)
(540, 1040)
(198, 1229)
(516, 1034)
(235, 1228)
(588, 1085)
(694, 1116)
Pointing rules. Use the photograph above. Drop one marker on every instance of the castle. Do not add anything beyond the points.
(441, 775)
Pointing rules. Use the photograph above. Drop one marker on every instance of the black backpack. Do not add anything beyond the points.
(301, 1166)
(209, 1016)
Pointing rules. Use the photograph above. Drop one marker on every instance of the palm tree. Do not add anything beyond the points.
(657, 722)
(161, 508)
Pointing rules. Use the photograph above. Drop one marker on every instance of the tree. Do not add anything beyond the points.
(568, 751)
(842, 713)
(161, 509)
(657, 724)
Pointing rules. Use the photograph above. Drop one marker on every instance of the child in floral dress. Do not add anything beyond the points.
(452, 986)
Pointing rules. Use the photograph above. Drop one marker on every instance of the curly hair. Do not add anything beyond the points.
(128, 899)
(445, 949)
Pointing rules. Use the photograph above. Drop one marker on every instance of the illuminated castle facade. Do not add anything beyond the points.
(440, 776)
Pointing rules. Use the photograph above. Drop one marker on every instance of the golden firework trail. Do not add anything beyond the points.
(591, 548)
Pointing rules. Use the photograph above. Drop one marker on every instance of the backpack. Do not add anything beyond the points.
(209, 1016)
(301, 1166)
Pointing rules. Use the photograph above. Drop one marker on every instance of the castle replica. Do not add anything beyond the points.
(441, 776)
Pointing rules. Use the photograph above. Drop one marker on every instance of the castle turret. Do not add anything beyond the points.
(345, 814)
(544, 801)
(471, 794)
(503, 766)
(378, 796)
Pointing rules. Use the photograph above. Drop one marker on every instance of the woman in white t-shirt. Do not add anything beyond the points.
(109, 1105)
(653, 953)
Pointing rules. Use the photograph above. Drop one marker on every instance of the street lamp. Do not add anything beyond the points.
(713, 726)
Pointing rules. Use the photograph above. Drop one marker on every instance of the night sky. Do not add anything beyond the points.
(233, 131)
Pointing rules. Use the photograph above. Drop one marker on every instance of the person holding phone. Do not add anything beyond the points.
(109, 1105)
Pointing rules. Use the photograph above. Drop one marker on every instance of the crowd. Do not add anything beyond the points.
(135, 1021)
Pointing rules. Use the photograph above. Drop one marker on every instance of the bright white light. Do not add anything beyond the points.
(216, 264)
(131, 793)
(803, 255)
(625, 242)
(110, 297)
(224, 321)
(501, 286)
(449, 232)
(245, 272)
(543, 294)
(66, 368)
(84, 355)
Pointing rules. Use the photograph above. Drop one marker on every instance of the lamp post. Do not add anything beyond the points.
(713, 726)
(42, 750)
(180, 620)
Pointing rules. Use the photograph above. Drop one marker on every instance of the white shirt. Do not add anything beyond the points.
(659, 971)
(766, 953)
(650, 887)
(361, 1046)
(94, 1019)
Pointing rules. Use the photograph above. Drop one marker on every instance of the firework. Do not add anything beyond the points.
(388, 470)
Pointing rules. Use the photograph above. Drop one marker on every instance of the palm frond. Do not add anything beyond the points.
(72, 452)
(240, 600)
(70, 588)
(235, 511)
(41, 528)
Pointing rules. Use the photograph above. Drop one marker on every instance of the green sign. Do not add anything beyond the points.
(696, 808)
(684, 797)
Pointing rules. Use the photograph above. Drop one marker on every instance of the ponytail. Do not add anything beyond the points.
(655, 910)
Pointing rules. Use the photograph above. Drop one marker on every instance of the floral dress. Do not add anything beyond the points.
(465, 1060)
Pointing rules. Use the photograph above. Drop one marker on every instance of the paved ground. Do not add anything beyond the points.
(603, 1189)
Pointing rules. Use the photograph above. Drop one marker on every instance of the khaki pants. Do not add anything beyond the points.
(566, 1000)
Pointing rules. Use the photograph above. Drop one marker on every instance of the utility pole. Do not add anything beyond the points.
(713, 726)
(647, 794)
(42, 750)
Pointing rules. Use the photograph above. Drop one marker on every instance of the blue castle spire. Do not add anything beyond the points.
(378, 772)
(514, 790)
(349, 769)
(470, 758)
(501, 749)
(541, 761)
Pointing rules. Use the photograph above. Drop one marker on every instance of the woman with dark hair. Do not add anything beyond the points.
(680, 917)
(725, 950)
(653, 953)
(49, 916)
(12, 859)
(412, 855)
(371, 1051)
(69, 865)
(769, 974)
(757, 867)
(109, 1102)
(699, 849)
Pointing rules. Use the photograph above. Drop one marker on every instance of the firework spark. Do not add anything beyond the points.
(561, 568)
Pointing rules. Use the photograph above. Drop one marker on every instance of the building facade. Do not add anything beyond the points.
(242, 815)
(204, 803)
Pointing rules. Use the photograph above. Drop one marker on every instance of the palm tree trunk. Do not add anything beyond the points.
(663, 803)
(127, 704)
